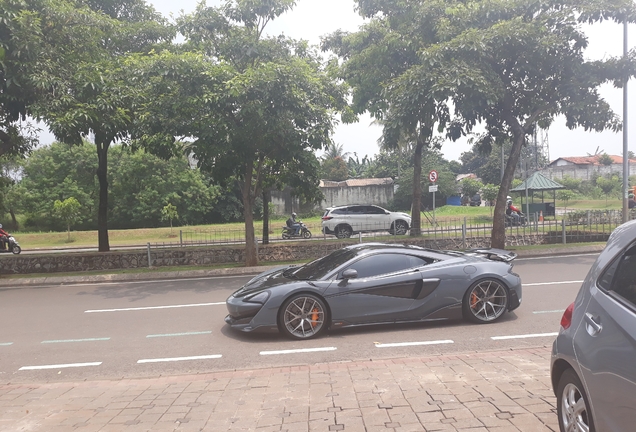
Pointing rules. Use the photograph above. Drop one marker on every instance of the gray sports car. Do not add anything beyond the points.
(376, 283)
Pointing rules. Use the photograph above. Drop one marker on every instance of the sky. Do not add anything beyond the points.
(311, 19)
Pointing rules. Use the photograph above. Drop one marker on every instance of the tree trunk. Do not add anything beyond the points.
(102, 175)
(68, 232)
(251, 257)
(267, 197)
(416, 222)
(498, 237)
(14, 221)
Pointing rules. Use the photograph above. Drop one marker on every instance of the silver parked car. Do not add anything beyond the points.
(594, 357)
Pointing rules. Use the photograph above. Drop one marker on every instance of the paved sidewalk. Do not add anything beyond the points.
(493, 391)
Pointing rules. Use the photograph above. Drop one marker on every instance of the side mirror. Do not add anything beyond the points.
(350, 274)
(387, 212)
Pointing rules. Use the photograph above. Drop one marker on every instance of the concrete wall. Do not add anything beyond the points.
(585, 172)
(304, 250)
(284, 203)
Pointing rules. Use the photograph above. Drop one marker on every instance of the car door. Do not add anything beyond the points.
(378, 219)
(357, 218)
(605, 345)
(384, 290)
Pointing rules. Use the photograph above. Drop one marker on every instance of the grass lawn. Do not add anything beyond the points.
(445, 216)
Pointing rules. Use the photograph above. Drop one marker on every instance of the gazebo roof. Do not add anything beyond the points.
(537, 182)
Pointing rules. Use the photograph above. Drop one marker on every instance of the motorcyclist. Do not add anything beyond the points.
(293, 223)
(512, 211)
(4, 238)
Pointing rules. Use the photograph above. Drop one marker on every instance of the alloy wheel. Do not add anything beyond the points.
(574, 410)
(487, 301)
(303, 317)
(343, 232)
(401, 228)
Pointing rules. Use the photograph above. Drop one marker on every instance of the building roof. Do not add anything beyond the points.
(356, 182)
(537, 182)
(590, 160)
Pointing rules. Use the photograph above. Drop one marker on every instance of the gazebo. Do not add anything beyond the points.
(537, 182)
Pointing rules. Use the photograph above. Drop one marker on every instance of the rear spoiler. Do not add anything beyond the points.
(493, 254)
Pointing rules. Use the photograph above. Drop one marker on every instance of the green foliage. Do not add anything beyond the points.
(605, 159)
(169, 213)
(68, 211)
(334, 169)
(571, 183)
(489, 192)
(471, 186)
(610, 186)
(565, 196)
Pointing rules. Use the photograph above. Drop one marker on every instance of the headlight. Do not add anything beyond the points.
(258, 298)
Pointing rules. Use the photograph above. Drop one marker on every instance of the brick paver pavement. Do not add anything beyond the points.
(494, 391)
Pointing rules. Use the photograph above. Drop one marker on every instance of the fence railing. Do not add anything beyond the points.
(572, 227)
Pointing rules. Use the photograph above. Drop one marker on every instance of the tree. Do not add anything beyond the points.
(484, 57)
(334, 169)
(565, 196)
(609, 185)
(69, 212)
(169, 212)
(605, 159)
(489, 194)
(243, 98)
(93, 96)
(471, 186)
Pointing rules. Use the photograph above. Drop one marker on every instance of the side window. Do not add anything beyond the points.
(339, 211)
(375, 210)
(620, 276)
(356, 210)
(380, 264)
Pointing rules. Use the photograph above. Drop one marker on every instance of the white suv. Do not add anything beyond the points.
(343, 221)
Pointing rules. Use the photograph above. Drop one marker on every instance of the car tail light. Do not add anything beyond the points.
(566, 319)
(326, 218)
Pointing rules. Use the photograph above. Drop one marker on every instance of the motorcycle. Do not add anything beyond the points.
(289, 232)
(510, 221)
(12, 245)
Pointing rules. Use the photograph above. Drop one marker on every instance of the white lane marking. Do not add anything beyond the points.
(404, 344)
(552, 283)
(556, 256)
(296, 351)
(179, 334)
(6, 343)
(59, 366)
(550, 311)
(75, 340)
(154, 307)
(525, 336)
(175, 359)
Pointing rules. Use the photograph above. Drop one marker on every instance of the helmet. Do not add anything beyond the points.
(508, 198)
(0, 226)
(509, 201)
(293, 214)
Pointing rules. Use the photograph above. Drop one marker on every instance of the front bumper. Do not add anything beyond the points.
(242, 316)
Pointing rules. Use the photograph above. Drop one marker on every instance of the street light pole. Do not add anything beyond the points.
(625, 147)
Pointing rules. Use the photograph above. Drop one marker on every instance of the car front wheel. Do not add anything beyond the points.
(572, 404)
(303, 316)
(485, 301)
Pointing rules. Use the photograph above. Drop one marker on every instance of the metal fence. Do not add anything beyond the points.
(572, 227)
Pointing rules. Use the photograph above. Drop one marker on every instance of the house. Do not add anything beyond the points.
(586, 167)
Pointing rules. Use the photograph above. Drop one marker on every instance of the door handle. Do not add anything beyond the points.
(593, 327)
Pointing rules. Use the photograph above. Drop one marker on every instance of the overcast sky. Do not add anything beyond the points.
(311, 19)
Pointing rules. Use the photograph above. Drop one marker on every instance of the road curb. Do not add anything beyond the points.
(235, 271)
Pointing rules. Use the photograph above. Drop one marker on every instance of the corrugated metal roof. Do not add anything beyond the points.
(538, 182)
(591, 160)
(356, 182)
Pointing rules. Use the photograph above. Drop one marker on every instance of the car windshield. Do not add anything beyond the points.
(319, 268)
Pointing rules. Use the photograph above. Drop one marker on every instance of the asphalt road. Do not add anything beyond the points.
(117, 330)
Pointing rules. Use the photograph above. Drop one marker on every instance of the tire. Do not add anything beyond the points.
(16, 250)
(573, 406)
(306, 234)
(400, 228)
(303, 316)
(343, 231)
(485, 301)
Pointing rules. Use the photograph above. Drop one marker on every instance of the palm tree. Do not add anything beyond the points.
(333, 151)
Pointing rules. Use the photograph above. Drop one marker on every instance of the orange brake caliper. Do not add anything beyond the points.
(473, 300)
(314, 317)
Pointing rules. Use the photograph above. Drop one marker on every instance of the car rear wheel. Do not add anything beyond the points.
(485, 301)
(343, 231)
(303, 316)
(572, 404)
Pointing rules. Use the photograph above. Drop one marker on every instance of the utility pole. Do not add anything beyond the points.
(625, 147)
